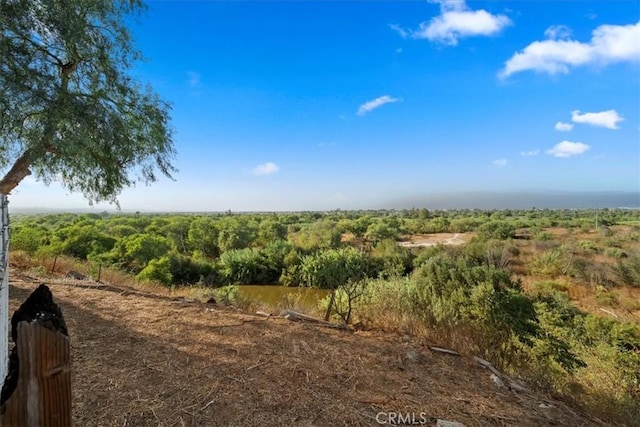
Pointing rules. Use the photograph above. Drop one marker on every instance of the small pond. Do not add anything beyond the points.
(276, 296)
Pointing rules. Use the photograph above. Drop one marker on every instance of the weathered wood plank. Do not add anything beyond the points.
(43, 394)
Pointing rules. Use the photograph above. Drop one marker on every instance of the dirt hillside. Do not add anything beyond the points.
(149, 360)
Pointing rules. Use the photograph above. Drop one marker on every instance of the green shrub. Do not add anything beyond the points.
(607, 299)
(157, 270)
(551, 263)
(589, 246)
(544, 236)
(616, 253)
(549, 287)
(250, 266)
(496, 230)
(628, 271)
(334, 267)
(231, 295)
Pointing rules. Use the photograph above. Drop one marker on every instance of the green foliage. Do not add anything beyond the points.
(551, 263)
(548, 287)
(381, 230)
(185, 270)
(236, 234)
(271, 230)
(82, 241)
(388, 259)
(628, 271)
(322, 234)
(27, 239)
(231, 295)
(589, 246)
(203, 237)
(334, 267)
(616, 253)
(71, 111)
(496, 230)
(248, 266)
(137, 250)
(157, 270)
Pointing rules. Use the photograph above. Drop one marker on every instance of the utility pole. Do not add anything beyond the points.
(597, 216)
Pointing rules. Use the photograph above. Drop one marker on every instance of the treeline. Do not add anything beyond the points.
(308, 248)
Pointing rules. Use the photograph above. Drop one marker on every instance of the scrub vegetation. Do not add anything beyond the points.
(550, 296)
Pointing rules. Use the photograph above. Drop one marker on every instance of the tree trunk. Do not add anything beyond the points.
(18, 172)
(327, 314)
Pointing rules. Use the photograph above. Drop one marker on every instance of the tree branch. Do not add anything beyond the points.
(18, 172)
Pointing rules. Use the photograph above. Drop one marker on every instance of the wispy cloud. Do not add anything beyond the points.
(556, 55)
(608, 119)
(568, 149)
(558, 32)
(398, 29)
(530, 153)
(500, 162)
(265, 169)
(456, 21)
(563, 127)
(194, 79)
(373, 104)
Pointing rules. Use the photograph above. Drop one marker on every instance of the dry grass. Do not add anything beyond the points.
(147, 359)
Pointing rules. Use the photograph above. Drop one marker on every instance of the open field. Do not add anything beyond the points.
(143, 359)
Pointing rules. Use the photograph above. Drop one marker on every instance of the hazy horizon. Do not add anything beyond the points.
(463, 200)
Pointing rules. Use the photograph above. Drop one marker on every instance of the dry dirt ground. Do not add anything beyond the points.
(424, 240)
(142, 359)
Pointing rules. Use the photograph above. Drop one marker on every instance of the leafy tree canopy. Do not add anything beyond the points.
(69, 110)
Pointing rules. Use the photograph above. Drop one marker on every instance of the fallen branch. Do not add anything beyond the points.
(294, 316)
(512, 384)
(444, 350)
(609, 312)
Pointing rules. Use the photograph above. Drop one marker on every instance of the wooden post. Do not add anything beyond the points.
(4, 287)
(53, 267)
(37, 389)
(43, 394)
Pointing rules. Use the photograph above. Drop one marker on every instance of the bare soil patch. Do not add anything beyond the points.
(424, 240)
(143, 359)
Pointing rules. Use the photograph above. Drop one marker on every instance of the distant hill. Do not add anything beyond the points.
(520, 200)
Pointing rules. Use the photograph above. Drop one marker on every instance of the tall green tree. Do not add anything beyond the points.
(69, 109)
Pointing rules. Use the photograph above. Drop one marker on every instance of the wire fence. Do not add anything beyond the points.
(4, 286)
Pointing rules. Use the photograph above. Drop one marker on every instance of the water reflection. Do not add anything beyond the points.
(277, 297)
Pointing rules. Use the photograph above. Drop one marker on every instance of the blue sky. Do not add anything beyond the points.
(291, 105)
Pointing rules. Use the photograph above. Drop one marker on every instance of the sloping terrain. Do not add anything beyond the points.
(150, 360)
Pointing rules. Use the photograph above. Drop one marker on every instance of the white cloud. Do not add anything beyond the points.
(609, 44)
(500, 162)
(373, 104)
(608, 119)
(398, 29)
(457, 21)
(555, 32)
(265, 169)
(568, 149)
(563, 127)
(194, 79)
(530, 153)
